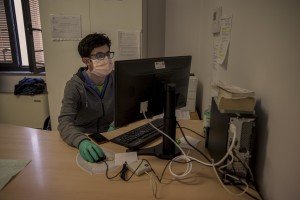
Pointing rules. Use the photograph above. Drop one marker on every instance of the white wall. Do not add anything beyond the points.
(263, 56)
(184, 32)
(8, 81)
(62, 59)
(154, 28)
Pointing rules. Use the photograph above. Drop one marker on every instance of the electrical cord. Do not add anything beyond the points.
(153, 185)
(163, 172)
(165, 168)
(106, 172)
(237, 155)
(250, 195)
(231, 176)
(191, 130)
(152, 181)
(236, 194)
(232, 128)
(188, 161)
(122, 173)
(191, 144)
(184, 156)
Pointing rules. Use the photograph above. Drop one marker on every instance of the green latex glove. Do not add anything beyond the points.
(90, 151)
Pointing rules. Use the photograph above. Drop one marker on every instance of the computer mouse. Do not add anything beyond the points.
(101, 158)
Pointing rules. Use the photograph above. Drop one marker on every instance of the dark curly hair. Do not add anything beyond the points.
(92, 41)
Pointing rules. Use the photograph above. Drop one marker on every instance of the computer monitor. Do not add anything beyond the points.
(150, 80)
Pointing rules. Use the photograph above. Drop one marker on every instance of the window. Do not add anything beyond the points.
(21, 46)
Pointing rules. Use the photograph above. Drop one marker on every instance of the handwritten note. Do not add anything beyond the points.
(225, 23)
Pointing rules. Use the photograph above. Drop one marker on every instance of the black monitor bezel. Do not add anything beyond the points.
(144, 74)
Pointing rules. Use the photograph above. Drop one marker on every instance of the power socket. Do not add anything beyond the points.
(140, 167)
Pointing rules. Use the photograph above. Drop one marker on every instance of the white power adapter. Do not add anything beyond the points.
(139, 167)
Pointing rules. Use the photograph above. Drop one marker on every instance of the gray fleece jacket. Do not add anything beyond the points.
(83, 110)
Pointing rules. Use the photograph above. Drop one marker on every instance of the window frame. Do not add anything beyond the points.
(16, 65)
(13, 37)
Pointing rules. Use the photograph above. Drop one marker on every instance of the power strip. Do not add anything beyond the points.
(140, 167)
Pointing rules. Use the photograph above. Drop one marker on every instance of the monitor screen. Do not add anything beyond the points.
(145, 80)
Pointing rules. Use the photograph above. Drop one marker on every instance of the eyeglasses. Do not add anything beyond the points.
(101, 56)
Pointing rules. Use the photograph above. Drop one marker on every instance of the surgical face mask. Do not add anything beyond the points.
(102, 67)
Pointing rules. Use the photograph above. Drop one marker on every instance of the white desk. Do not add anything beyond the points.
(54, 174)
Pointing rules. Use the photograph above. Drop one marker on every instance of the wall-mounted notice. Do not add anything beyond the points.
(65, 27)
(216, 47)
(225, 24)
(129, 44)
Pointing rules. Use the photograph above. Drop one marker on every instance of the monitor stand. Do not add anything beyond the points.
(167, 149)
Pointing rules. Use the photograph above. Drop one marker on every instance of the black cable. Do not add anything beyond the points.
(244, 165)
(241, 177)
(137, 169)
(192, 145)
(193, 131)
(251, 180)
(235, 173)
(153, 169)
(123, 172)
(238, 187)
(106, 172)
(161, 176)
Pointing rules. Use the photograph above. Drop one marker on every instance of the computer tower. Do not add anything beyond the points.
(220, 138)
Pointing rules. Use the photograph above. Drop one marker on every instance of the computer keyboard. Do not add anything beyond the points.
(140, 136)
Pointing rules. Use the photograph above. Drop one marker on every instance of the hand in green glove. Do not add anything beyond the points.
(90, 151)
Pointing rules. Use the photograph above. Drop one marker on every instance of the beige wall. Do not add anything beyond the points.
(263, 56)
